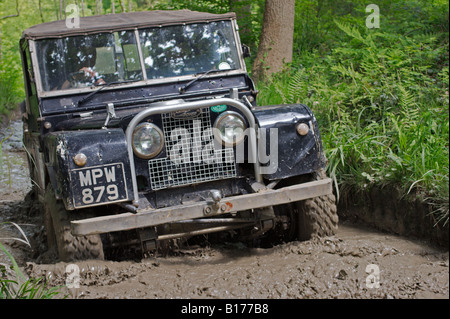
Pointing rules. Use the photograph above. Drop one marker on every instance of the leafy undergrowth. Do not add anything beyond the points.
(381, 99)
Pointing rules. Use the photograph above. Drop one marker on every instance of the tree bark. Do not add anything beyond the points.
(40, 11)
(276, 40)
(56, 10)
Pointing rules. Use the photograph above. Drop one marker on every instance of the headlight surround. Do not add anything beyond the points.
(229, 128)
(147, 140)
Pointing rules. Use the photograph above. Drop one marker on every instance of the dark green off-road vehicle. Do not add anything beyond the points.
(143, 127)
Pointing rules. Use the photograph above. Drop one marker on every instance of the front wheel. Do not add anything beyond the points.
(69, 247)
(313, 217)
(317, 216)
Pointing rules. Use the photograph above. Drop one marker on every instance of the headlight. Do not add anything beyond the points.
(148, 140)
(230, 128)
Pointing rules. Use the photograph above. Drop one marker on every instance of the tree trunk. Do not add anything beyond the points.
(99, 7)
(82, 8)
(40, 11)
(276, 40)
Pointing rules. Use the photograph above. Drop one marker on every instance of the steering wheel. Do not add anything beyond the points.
(76, 77)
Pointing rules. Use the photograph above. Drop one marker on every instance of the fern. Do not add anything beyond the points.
(407, 100)
(279, 90)
(349, 30)
(297, 88)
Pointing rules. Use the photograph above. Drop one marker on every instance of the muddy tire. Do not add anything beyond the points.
(69, 247)
(316, 217)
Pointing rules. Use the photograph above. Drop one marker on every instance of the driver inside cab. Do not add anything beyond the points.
(86, 74)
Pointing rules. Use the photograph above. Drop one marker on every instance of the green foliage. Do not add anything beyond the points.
(11, 85)
(381, 99)
(20, 287)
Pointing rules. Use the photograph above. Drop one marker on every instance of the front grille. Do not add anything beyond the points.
(190, 153)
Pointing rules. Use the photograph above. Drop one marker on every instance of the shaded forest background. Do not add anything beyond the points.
(381, 95)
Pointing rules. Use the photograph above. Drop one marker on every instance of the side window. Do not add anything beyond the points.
(105, 63)
(132, 57)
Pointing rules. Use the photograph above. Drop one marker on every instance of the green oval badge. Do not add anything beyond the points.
(218, 108)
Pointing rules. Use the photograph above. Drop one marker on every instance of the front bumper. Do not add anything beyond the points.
(153, 217)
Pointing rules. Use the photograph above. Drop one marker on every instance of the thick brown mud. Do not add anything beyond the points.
(333, 267)
(357, 262)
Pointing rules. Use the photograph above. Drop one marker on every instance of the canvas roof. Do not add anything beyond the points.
(121, 21)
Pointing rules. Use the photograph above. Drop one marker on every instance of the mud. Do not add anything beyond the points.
(357, 262)
(333, 267)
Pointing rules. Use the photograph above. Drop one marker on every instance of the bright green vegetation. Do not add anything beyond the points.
(13, 283)
(380, 96)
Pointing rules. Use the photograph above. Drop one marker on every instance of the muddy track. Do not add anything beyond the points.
(330, 267)
(354, 263)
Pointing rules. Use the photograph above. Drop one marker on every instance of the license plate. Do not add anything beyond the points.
(98, 185)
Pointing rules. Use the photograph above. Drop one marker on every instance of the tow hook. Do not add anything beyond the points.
(216, 196)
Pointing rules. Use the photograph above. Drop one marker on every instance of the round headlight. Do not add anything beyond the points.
(230, 128)
(148, 140)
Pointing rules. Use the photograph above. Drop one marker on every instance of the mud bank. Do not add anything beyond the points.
(386, 210)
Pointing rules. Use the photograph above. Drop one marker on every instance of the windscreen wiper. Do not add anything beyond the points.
(202, 75)
(90, 95)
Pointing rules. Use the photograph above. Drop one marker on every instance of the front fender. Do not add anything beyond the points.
(107, 164)
(296, 154)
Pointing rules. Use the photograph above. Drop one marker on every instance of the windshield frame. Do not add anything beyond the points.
(145, 81)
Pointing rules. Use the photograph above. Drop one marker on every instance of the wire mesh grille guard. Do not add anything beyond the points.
(191, 155)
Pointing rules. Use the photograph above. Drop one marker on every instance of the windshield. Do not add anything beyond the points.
(82, 61)
(188, 49)
(99, 59)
